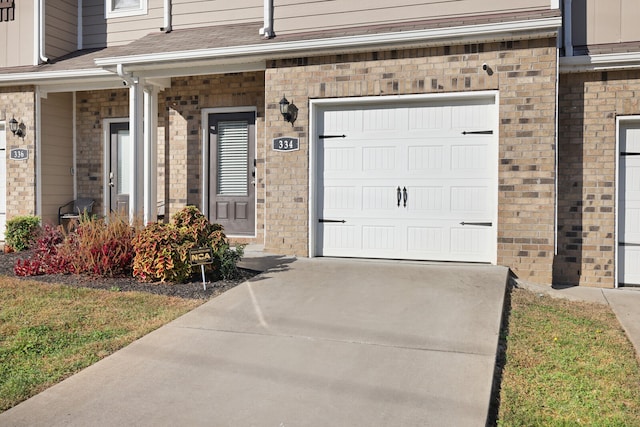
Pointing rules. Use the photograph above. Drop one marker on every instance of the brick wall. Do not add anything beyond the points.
(181, 115)
(92, 108)
(523, 71)
(589, 104)
(179, 135)
(19, 102)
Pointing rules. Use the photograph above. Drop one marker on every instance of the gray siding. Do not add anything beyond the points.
(17, 37)
(61, 28)
(596, 22)
(57, 154)
(293, 16)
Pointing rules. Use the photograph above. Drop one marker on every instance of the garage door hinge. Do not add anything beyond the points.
(332, 220)
(331, 136)
(478, 132)
(484, 224)
(629, 154)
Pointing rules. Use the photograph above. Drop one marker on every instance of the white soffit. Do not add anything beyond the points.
(268, 50)
(604, 62)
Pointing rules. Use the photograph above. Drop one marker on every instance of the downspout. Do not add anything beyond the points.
(267, 29)
(80, 26)
(567, 28)
(41, 20)
(167, 17)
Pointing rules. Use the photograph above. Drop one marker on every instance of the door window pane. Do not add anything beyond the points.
(233, 144)
(124, 163)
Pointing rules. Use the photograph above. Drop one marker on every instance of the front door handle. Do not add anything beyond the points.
(404, 196)
(399, 196)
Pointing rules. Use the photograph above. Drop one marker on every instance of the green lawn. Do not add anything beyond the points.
(48, 332)
(567, 364)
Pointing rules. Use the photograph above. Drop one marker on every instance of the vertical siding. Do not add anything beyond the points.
(292, 16)
(57, 154)
(605, 21)
(17, 37)
(61, 33)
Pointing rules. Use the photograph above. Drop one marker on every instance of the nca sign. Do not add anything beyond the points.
(200, 256)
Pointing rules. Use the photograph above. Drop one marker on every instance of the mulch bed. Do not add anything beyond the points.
(192, 289)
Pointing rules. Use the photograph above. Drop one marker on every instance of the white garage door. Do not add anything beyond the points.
(629, 206)
(408, 181)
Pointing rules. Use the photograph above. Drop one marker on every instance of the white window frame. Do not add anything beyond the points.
(110, 12)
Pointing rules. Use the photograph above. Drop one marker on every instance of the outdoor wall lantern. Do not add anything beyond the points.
(16, 128)
(288, 110)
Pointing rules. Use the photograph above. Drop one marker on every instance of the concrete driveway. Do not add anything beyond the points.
(310, 342)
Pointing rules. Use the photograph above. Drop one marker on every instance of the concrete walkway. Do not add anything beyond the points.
(310, 342)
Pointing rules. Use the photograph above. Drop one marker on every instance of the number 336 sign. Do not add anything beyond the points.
(286, 144)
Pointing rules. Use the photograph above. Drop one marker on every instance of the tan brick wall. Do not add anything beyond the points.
(589, 104)
(181, 116)
(523, 71)
(21, 176)
(92, 108)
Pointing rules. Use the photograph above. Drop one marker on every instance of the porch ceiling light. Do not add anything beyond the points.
(16, 128)
(288, 110)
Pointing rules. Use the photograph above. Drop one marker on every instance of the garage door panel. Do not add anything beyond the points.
(629, 206)
(629, 265)
(426, 240)
(444, 177)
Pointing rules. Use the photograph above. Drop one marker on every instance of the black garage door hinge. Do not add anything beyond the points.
(478, 132)
(331, 136)
(332, 220)
(483, 224)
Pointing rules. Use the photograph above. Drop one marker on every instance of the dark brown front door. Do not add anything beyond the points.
(231, 172)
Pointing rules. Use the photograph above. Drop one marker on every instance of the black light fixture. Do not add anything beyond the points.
(288, 110)
(16, 128)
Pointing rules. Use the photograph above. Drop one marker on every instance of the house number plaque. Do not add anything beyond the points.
(19, 154)
(286, 144)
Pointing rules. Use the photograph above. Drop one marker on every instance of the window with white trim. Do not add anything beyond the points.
(118, 8)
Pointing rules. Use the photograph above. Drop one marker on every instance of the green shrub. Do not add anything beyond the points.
(21, 232)
(227, 260)
(161, 250)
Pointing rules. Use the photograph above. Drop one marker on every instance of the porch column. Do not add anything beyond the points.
(136, 134)
(150, 154)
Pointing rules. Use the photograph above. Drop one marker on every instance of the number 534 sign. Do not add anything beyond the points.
(286, 144)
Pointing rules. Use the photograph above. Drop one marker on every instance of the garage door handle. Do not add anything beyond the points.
(404, 196)
(399, 196)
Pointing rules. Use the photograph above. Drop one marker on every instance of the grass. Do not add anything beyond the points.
(567, 364)
(48, 332)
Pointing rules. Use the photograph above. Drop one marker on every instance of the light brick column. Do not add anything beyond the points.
(19, 102)
(589, 104)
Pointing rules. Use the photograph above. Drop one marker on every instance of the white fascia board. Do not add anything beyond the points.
(275, 49)
(604, 62)
(54, 77)
(203, 67)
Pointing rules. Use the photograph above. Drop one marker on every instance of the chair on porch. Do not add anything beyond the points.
(75, 209)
